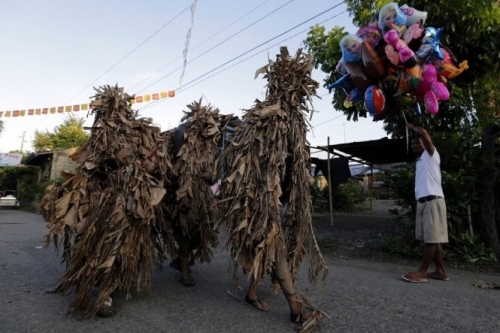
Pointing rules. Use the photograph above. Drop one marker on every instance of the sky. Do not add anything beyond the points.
(55, 52)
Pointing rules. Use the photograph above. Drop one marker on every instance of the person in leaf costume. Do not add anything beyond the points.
(254, 193)
(190, 200)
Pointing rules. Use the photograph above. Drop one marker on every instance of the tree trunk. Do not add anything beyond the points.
(497, 204)
(487, 178)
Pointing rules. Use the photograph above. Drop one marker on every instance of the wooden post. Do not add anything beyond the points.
(371, 189)
(330, 184)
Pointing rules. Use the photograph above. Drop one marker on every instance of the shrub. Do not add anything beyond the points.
(349, 197)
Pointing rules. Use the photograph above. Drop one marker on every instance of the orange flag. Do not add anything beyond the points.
(31, 112)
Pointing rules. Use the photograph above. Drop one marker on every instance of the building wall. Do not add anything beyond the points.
(61, 162)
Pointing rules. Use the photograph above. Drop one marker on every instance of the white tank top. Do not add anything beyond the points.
(428, 175)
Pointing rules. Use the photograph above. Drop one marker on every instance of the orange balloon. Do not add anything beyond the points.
(373, 63)
(358, 75)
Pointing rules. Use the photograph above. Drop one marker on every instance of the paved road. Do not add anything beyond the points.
(360, 296)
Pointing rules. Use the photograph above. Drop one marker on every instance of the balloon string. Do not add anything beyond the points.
(407, 134)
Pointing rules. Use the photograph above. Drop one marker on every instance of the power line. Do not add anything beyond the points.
(269, 40)
(227, 62)
(217, 45)
(255, 54)
(119, 61)
(199, 44)
(327, 121)
(128, 54)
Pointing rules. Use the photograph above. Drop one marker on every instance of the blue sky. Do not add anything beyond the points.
(55, 52)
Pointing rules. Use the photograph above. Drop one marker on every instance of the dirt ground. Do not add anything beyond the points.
(358, 235)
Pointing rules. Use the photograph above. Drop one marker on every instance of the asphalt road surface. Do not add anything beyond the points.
(360, 296)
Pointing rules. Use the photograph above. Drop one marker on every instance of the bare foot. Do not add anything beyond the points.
(107, 309)
(414, 277)
(257, 303)
(298, 313)
(438, 276)
(187, 281)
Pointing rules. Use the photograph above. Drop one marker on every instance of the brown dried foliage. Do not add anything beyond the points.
(255, 167)
(191, 204)
(109, 218)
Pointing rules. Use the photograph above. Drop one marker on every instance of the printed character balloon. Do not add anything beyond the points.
(413, 16)
(370, 34)
(391, 16)
(430, 44)
(448, 67)
(351, 48)
(413, 36)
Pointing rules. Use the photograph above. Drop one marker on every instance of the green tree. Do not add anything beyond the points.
(67, 135)
(465, 122)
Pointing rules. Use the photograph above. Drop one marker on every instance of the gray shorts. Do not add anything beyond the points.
(431, 225)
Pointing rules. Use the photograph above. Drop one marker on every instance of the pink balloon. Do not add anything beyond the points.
(431, 102)
(429, 76)
(429, 73)
(440, 90)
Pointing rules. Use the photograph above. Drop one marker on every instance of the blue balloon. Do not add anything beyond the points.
(435, 50)
(430, 44)
(355, 96)
(344, 82)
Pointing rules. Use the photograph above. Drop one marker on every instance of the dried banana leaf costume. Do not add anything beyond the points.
(108, 218)
(190, 198)
(254, 165)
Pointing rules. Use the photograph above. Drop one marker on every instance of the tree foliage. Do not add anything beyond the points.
(67, 135)
(21, 179)
(472, 32)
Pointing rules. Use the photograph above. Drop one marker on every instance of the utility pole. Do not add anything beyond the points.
(22, 142)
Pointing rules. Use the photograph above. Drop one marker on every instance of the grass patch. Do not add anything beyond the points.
(327, 243)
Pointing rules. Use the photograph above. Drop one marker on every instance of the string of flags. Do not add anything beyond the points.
(81, 107)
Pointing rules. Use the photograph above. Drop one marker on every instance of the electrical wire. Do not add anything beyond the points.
(269, 40)
(201, 43)
(128, 54)
(119, 61)
(191, 83)
(255, 54)
(217, 45)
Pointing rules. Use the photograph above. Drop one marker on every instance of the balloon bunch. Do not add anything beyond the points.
(394, 62)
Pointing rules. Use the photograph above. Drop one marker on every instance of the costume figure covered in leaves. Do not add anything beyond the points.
(108, 216)
(272, 135)
(190, 200)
